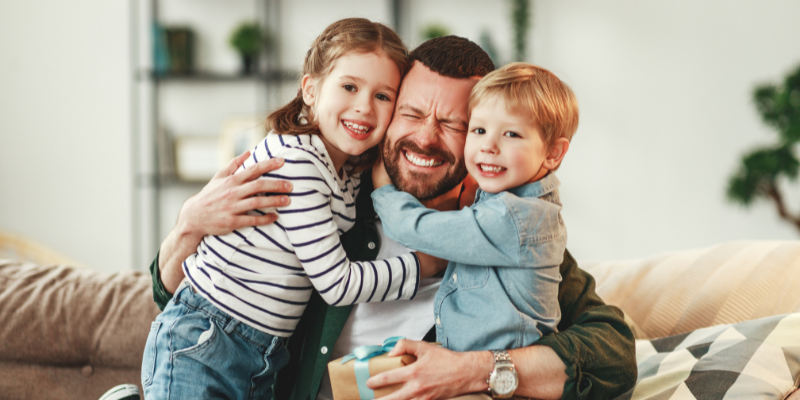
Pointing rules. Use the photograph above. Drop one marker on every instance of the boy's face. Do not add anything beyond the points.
(503, 150)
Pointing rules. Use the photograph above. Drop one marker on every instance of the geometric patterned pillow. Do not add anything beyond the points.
(758, 359)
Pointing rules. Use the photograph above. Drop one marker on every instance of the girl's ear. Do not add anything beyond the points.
(308, 85)
(556, 153)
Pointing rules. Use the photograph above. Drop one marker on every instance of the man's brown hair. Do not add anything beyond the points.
(453, 57)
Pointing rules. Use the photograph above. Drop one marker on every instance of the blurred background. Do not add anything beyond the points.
(113, 113)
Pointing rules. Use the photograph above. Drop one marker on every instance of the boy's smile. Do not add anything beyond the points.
(504, 149)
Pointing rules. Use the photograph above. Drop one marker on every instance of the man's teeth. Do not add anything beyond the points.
(421, 162)
(491, 168)
(356, 127)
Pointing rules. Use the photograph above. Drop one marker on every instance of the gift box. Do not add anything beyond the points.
(350, 373)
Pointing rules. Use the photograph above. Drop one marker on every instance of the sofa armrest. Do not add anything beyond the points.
(682, 291)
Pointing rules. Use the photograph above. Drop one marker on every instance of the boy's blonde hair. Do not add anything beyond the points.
(535, 91)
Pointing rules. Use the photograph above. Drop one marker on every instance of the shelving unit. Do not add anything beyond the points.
(159, 192)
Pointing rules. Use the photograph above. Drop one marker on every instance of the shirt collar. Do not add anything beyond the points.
(534, 189)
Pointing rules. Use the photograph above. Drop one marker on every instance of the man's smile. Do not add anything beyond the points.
(422, 161)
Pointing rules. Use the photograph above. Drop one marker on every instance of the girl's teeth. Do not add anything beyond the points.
(420, 162)
(492, 168)
(357, 127)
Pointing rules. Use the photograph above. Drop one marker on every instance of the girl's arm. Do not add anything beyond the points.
(485, 234)
(313, 235)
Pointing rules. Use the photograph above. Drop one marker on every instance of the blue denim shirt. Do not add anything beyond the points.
(500, 289)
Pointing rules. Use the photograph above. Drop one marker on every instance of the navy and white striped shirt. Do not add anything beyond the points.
(263, 276)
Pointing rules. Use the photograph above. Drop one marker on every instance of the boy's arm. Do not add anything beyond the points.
(592, 357)
(484, 234)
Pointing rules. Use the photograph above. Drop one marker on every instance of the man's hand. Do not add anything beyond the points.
(430, 265)
(218, 209)
(438, 373)
(379, 175)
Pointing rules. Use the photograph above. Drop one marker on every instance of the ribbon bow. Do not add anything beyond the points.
(362, 354)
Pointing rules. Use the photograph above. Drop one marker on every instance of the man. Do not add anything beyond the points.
(590, 357)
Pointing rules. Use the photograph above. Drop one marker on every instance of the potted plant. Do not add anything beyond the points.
(248, 40)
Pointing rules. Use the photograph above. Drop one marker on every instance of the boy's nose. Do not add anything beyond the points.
(489, 146)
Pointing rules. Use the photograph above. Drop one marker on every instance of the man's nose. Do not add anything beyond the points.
(429, 134)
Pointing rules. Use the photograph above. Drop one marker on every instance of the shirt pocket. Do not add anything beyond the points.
(471, 276)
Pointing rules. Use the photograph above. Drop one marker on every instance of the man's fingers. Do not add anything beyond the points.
(390, 377)
(404, 346)
(260, 202)
(253, 220)
(260, 168)
(264, 186)
(233, 165)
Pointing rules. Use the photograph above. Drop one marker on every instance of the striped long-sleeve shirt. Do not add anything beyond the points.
(263, 275)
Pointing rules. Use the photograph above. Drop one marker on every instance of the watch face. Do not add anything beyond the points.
(505, 382)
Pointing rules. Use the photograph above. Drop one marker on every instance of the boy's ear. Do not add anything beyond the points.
(555, 153)
(308, 85)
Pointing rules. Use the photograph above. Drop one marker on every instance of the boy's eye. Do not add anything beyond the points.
(349, 88)
(381, 96)
(511, 134)
(479, 131)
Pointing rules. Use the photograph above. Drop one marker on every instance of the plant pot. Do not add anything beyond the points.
(249, 64)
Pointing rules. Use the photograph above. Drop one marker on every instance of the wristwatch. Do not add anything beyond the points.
(503, 380)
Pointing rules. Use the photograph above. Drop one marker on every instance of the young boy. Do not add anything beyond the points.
(500, 290)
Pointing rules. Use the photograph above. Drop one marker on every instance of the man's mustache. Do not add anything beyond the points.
(408, 144)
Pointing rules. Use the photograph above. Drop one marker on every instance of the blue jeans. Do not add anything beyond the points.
(196, 351)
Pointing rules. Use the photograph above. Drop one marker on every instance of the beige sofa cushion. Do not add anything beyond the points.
(682, 291)
(59, 315)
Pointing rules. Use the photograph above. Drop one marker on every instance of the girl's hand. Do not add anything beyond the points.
(379, 176)
(430, 265)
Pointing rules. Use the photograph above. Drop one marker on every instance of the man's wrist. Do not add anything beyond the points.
(484, 362)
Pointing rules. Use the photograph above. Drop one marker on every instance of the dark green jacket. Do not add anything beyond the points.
(593, 340)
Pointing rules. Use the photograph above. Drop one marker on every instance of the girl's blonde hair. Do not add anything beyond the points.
(534, 91)
(339, 38)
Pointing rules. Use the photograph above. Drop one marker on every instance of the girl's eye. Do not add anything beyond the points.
(479, 131)
(381, 96)
(349, 88)
(511, 134)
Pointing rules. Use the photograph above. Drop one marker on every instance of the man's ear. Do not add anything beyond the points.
(555, 153)
(308, 84)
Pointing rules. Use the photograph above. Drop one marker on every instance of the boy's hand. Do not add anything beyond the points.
(379, 176)
(430, 265)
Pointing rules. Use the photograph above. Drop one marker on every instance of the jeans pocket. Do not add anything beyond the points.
(203, 329)
(149, 358)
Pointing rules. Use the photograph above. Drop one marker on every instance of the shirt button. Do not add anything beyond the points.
(371, 245)
(324, 350)
(438, 321)
(455, 277)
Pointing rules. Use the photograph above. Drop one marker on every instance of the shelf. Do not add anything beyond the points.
(271, 76)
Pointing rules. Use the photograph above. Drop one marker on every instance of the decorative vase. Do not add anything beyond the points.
(248, 64)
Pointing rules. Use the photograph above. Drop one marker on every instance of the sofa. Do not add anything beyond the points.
(73, 333)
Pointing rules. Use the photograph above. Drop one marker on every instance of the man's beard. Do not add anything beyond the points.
(418, 184)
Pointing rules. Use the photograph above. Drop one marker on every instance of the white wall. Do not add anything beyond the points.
(65, 175)
(664, 89)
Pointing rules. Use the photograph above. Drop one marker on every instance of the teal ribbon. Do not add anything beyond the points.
(362, 355)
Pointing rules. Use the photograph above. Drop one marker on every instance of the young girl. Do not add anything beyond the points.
(223, 335)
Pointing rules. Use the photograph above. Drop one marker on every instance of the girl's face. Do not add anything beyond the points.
(354, 103)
